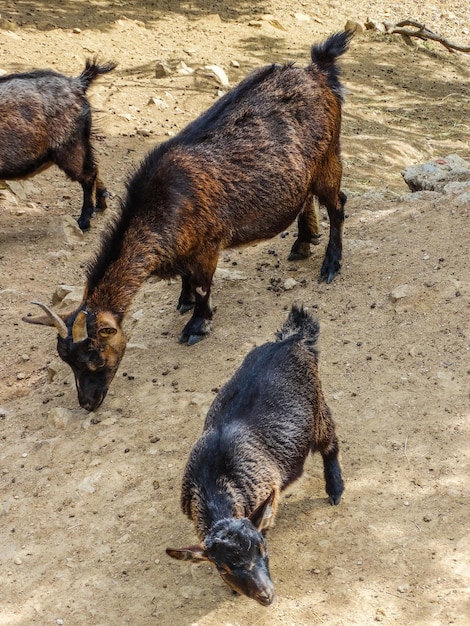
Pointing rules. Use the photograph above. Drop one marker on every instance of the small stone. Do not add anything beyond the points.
(218, 73)
(76, 31)
(183, 69)
(158, 102)
(354, 26)
(400, 292)
(234, 63)
(18, 561)
(289, 284)
(59, 417)
(403, 588)
(20, 376)
(162, 70)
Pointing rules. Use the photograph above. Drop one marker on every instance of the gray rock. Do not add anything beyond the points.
(400, 292)
(435, 175)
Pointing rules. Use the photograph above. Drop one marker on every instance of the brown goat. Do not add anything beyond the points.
(45, 118)
(256, 437)
(239, 173)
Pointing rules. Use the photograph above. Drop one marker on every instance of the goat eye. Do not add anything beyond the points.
(105, 333)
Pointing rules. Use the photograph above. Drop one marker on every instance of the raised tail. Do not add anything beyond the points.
(92, 70)
(302, 325)
(324, 56)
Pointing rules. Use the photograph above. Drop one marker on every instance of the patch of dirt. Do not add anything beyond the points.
(89, 502)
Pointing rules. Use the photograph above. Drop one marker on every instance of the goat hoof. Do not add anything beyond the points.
(191, 339)
(299, 251)
(328, 273)
(84, 225)
(334, 499)
(194, 339)
(184, 307)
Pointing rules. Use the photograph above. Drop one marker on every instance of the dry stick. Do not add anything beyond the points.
(421, 33)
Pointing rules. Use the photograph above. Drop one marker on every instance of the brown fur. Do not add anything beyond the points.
(241, 172)
(45, 118)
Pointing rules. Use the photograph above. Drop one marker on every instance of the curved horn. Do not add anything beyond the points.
(57, 321)
(79, 329)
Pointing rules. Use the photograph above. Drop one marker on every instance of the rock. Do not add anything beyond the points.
(354, 26)
(158, 102)
(72, 232)
(218, 73)
(7, 196)
(67, 296)
(435, 175)
(289, 284)
(184, 69)
(59, 417)
(21, 188)
(61, 292)
(162, 69)
(400, 292)
(234, 63)
(302, 17)
(226, 274)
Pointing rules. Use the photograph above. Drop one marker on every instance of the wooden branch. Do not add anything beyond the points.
(421, 32)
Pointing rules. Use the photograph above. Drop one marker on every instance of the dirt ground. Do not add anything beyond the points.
(89, 502)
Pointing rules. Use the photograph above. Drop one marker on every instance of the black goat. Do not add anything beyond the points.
(257, 434)
(45, 118)
(239, 173)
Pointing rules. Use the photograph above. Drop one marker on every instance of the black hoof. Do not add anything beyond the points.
(184, 307)
(191, 339)
(84, 224)
(334, 499)
(328, 272)
(195, 330)
(297, 256)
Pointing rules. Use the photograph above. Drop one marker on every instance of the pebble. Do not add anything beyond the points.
(18, 561)
(402, 291)
(289, 284)
(218, 74)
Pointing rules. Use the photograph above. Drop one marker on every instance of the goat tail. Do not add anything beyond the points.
(93, 70)
(302, 325)
(324, 56)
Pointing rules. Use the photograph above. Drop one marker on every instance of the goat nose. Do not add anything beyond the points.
(265, 597)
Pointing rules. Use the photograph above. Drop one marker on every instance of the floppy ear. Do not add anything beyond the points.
(194, 554)
(261, 516)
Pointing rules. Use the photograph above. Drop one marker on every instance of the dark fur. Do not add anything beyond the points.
(45, 118)
(256, 438)
(241, 172)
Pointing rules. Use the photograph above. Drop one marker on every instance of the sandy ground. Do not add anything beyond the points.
(89, 502)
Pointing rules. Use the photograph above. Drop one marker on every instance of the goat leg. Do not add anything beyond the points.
(187, 298)
(200, 323)
(332, 262)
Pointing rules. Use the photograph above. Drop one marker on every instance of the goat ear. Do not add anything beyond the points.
(261, 516)
(194, 554)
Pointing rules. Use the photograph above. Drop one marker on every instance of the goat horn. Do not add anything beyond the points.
(57, 321)
(79, 329)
